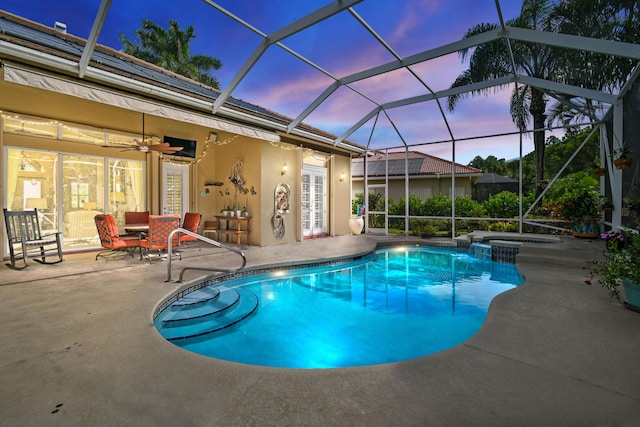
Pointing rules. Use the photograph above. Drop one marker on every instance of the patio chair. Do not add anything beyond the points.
(210, 227)
(134, 217)
(160, 226)
(192, 223)
(26, 240)
(111, 240)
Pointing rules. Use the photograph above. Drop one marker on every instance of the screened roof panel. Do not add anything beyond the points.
(359, 43)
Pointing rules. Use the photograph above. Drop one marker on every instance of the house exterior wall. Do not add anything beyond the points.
(423, 187)
(339, 192)
(213, 162)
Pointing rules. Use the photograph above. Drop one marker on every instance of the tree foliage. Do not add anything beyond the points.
(558, 151)
(617, 20)
(492, 60)
(171, 50)
(603, 19)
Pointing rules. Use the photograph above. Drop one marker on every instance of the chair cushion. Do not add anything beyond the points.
(136, 217)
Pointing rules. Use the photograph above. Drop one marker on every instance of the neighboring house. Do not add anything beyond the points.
(428, 175)
(70, 134)
(491, 183)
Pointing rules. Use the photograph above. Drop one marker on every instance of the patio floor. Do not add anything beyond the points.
(78, 348)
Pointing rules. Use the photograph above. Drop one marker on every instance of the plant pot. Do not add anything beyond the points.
(225, 213)
(588, 228)
(623, 162)
(599, 171)
(238, 214)
(356, 224)
(631, 294)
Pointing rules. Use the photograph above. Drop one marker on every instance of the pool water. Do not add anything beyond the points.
(395, 305)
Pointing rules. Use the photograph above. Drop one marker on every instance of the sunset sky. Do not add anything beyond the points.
(341, 46)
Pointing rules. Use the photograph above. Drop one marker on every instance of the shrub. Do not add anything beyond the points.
(436, 206)
(466, 206)
(503, 205)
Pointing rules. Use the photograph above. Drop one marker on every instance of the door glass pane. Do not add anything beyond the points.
(318, 222)
(31, 183)
(126, 188)
(174, 193)
(306, 203)
(82, 199)
(175, 181)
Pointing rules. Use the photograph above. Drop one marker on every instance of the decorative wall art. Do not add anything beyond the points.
(281, 198)
(235, 177)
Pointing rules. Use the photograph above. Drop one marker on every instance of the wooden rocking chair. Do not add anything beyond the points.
(26, 241)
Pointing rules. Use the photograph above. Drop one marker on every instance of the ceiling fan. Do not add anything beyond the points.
(146, 143)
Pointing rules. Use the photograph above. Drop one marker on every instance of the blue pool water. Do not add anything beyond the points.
(396, 305)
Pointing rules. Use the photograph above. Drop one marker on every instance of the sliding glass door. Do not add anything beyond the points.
(70, 189)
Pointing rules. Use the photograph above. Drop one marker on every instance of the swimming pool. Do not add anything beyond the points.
(397, 304)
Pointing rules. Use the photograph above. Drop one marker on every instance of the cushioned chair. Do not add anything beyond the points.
(210, 227)
(26, 241)
(192, 223)
(110, 239)
(160, 226)
(136, 217)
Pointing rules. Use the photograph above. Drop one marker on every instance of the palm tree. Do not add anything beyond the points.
(492, 60)
(606, 19)
(170, 50)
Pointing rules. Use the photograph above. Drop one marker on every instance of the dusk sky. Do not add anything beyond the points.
(341, 46)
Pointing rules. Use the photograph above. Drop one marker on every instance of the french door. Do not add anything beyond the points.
(175, 188)
(314, 201)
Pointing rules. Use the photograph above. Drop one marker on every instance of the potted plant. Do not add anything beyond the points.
(613, 239)
(606, 204)
(597, 170)
(621, 266)
(580, 208)
(631, 206)
(622, 157)
(225, 211)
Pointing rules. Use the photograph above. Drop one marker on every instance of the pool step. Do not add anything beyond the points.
(229, 308)
(201, 296)
(180, 313)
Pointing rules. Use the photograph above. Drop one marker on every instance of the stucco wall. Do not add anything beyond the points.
(262, 161)
(273, 158)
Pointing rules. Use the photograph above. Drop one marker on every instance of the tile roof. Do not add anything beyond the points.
(23, 32)
(418, 164)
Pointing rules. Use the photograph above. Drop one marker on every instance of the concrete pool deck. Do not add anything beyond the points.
(78, 348)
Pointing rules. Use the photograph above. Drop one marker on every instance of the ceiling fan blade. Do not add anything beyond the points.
(121, 146)
(164, 147)
(159, 147)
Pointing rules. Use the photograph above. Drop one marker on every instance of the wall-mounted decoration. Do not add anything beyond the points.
(236, 177)
(281, 197)
(239, 184)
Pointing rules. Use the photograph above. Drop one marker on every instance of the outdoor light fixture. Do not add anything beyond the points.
(213, 137)
(343, 176)
(285, 168)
